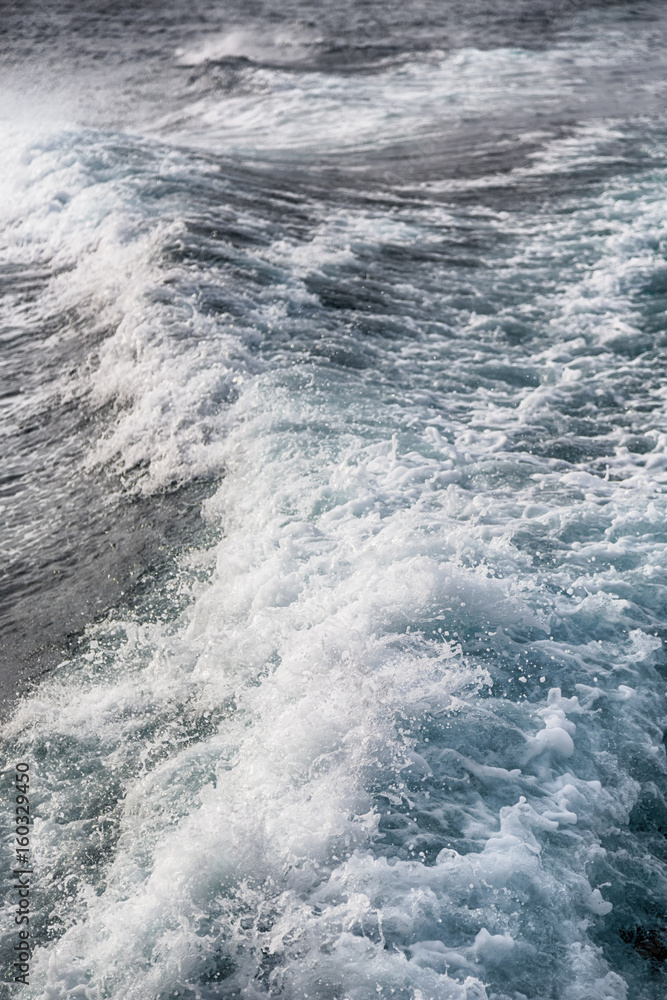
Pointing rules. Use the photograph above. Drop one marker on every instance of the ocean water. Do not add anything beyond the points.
(334, 495)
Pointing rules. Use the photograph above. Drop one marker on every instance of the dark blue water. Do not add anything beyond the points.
(334, 487)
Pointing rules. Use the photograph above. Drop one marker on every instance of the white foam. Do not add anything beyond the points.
(287, 45)
(413, 101)
(298, 647)
(329, 112)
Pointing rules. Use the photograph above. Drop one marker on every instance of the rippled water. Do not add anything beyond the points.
(334, 488)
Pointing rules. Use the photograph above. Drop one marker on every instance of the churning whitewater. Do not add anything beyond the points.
(334, 494)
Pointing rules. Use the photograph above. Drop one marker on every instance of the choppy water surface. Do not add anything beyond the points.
(335, 483)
